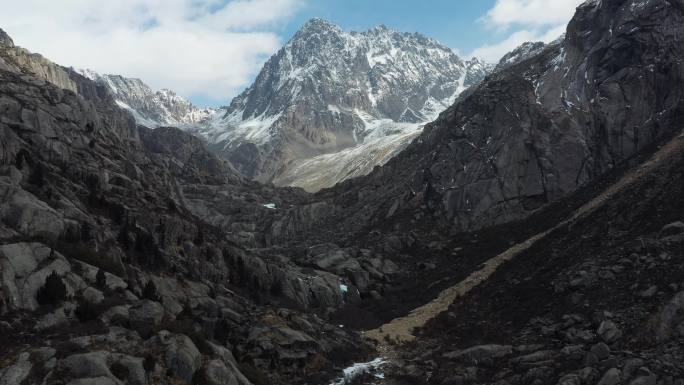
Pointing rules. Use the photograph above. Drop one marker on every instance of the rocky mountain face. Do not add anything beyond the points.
(151, 108)
(523, 52)
(536, 131)
(15, 58)
(334, 98)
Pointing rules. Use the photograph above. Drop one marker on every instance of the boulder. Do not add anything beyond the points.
(93, 364)
(574, 335)
(644, 380)
(330, 260)
(601, 350)
(45, 353)
(630, 366)
(538, 375)
(180, 355)
(174, 293)
(481, 352)
(589, 375)
(610, 377)
(540, 356)
(28, 215)
(116, 315)
(216, 373)
(663, 323)
(134, 370)
(573, 352)
(672, 229)
(570, 379)
(609, 332)
(52, 319)
(146, 314)
(94, 381)
(321, 249)
(92, 295)
(649, 292)
(229, 361)
(16, 373)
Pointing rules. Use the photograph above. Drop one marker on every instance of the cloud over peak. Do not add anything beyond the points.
(523, 21)
(204, 48)
(539, 13)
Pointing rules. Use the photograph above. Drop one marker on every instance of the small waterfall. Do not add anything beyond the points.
(359, 369)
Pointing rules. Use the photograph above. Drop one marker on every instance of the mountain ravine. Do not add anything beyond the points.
(533, 233)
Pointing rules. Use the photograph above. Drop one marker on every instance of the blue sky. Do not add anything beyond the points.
(211, 50)
(455, 23)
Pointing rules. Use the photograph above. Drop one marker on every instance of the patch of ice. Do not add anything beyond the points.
(271, 206)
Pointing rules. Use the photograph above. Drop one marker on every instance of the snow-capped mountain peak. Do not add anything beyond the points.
(328, 90)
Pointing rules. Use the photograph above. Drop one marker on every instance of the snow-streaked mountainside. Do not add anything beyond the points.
(521, 53)
(328, 169)
(330, 98)
(328, 106)
(151, 108)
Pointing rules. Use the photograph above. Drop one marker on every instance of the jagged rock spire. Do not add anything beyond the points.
(5, 39)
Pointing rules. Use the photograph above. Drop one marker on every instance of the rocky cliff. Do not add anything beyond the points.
(19, 59)
(523, 52)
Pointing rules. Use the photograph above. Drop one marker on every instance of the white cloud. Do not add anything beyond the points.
(208, 49)
(506, 13)
(492, 53)
(525, 20)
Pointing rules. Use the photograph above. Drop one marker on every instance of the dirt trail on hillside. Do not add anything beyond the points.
(401, 329)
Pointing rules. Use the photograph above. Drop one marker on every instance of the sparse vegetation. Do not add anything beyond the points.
(101, 279)
(53, 291)
(37, 177)
(199, 239)
(90, 127)
(22, 158)
(149, 363)
(222, 331)
(277, 288)
(86, 311)
(150, 291)
(200, 377)
(120, 371)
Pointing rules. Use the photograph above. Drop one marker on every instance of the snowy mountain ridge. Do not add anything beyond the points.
(327, 106)
(151, 108)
